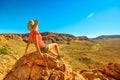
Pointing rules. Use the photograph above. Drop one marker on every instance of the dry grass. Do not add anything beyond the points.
(86, 54)
(79, 54)
(15, 50)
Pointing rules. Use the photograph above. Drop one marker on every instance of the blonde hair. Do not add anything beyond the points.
(32, 25)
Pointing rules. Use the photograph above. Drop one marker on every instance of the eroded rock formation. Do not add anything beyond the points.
(31, 67)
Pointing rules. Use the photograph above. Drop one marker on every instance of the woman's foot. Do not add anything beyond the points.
(60, 56)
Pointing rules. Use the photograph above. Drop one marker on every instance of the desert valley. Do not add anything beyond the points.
(80, 53)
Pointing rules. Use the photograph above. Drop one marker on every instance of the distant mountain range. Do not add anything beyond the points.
(107, 36)
(55, 37)
(47, 37)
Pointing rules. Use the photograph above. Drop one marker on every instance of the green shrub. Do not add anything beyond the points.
(5, 50)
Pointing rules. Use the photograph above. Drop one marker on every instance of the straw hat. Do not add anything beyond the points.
(32, 25)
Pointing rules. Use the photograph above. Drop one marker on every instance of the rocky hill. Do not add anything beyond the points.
(31, 67)
(48, 37)
(4, 37)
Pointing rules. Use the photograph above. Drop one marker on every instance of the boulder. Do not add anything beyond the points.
(111, 72)
(31, 67)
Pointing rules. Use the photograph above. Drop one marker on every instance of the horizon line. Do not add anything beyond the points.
(62, 33)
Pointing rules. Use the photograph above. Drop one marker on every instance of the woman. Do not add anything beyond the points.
(36, 38)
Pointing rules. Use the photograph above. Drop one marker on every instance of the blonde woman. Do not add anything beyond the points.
(36, 38)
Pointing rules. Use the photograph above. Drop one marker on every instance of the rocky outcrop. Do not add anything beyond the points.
(111, 72)
(31, 67)
(9, 36)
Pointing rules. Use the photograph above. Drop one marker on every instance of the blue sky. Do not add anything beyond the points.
(78, 17)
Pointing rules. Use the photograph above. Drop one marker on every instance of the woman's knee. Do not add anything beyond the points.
(55, 44)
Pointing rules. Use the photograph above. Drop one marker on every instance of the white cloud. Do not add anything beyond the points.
(90, 15)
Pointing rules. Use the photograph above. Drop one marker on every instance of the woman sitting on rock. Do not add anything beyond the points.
(36, 38)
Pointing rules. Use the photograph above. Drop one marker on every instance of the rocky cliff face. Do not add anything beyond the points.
(31, 67)
(4, 37)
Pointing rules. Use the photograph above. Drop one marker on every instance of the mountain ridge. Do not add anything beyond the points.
(107, 36)
(51, 37)
(48, 37)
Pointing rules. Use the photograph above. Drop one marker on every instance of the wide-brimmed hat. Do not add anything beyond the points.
(32, 24)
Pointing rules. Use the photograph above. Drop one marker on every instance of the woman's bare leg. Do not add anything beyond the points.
(52, 53)
(54, 49)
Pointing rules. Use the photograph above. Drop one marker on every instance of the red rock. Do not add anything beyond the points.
(31, 67)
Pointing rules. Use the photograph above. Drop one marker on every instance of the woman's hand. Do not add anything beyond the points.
(40, 55)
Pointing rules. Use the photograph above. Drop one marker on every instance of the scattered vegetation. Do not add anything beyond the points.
(84, 54)
(80, 54)
(5, 50)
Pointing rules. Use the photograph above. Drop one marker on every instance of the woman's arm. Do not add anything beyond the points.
(37, 46)
(28, 43)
